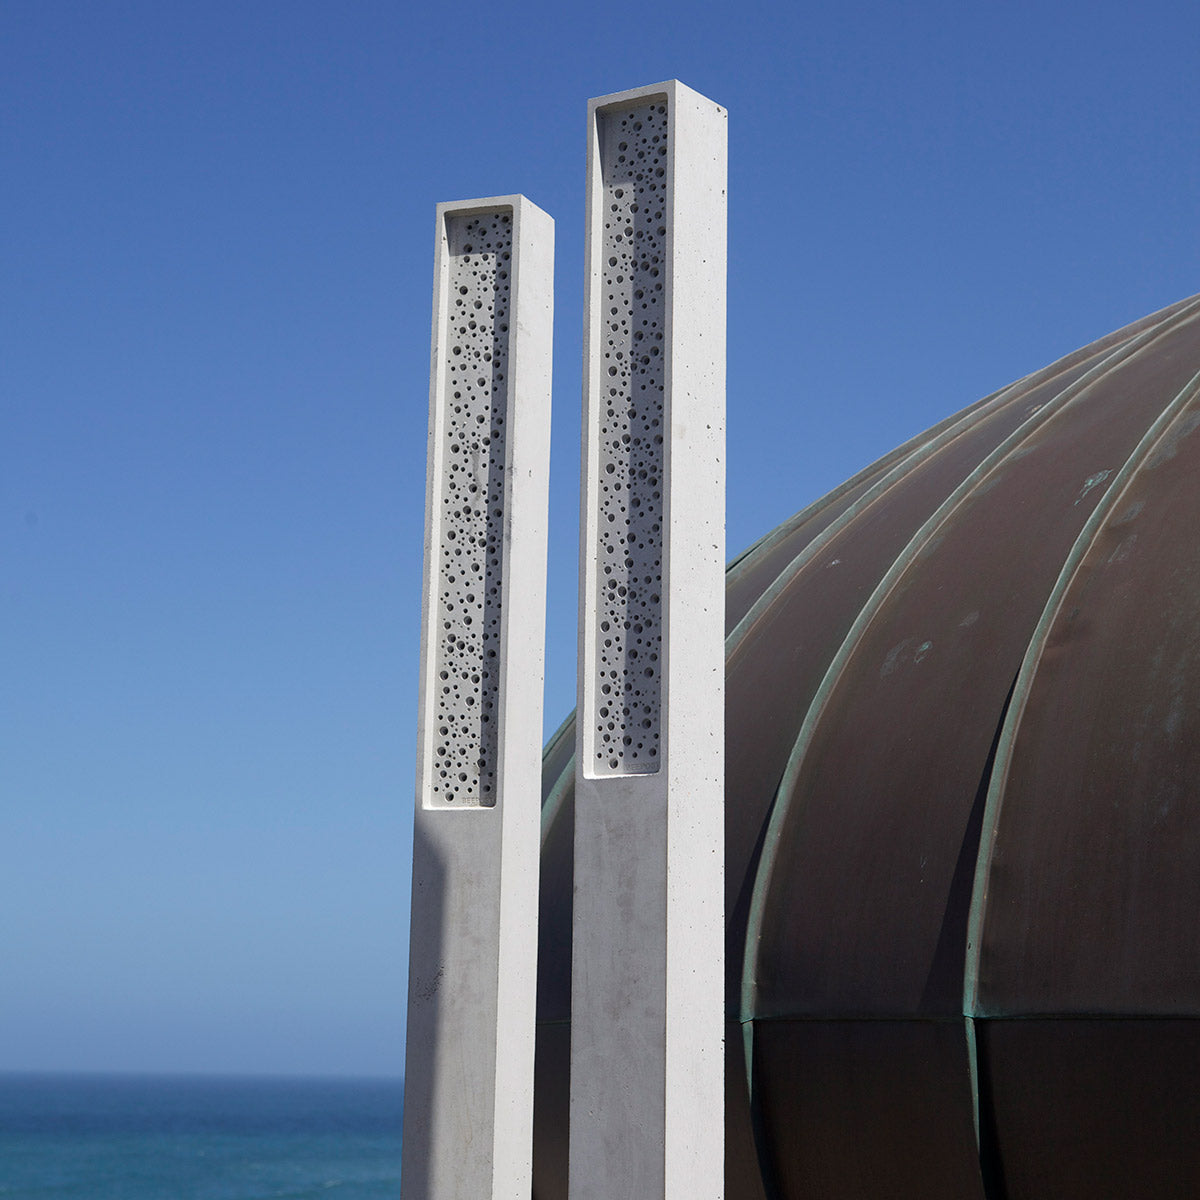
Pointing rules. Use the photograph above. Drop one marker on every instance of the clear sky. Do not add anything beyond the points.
(216, 235)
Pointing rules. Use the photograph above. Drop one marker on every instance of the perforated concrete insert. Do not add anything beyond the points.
(471, 512)
(634, 164)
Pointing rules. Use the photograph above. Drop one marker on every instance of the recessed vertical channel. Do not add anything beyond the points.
(470, 512)
(631, 422)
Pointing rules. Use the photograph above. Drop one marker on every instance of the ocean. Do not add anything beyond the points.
(110, 1137)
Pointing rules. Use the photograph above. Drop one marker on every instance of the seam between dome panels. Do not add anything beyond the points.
(1029, 667)
(1115, 340)
(873, 495)
(741, 562)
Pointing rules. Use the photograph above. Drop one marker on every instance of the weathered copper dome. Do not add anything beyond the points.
(962, 810)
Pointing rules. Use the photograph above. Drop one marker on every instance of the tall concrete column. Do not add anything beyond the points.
(647, 988)
(468, 1104)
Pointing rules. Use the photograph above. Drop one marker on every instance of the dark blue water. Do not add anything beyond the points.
(154, 1138)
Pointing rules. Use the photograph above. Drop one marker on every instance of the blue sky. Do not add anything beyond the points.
(215, 264)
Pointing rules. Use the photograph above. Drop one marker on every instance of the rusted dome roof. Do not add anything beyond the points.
(962, 810)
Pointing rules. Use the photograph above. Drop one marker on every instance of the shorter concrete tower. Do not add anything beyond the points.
(468, 1106)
